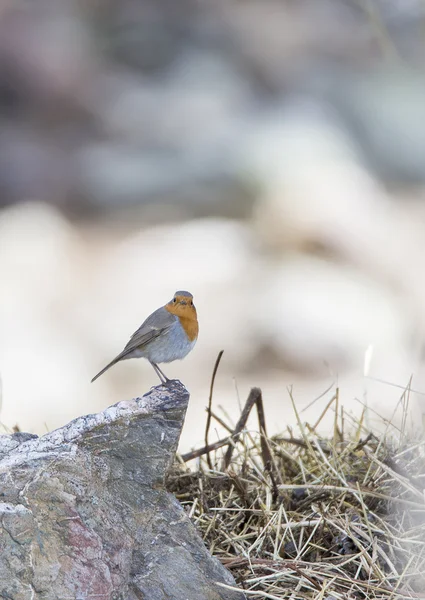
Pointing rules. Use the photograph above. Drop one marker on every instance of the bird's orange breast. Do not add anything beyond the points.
(187, 317)
(190, 326)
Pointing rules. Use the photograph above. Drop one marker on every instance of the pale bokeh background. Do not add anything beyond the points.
(268, 156)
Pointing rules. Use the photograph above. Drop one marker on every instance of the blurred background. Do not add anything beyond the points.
(266, 155)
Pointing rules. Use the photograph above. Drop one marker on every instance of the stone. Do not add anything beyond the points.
(84, 512)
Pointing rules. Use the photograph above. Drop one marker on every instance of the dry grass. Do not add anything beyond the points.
(311, 518)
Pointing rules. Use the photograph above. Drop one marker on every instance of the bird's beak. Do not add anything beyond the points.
(183, 302)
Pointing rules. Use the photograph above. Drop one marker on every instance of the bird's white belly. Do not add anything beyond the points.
(174, 345)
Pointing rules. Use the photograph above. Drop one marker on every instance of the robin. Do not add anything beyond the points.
(168, 334)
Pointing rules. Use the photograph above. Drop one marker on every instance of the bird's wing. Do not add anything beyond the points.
(158, 323)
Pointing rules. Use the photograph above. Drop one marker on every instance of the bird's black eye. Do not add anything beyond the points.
(174, 300)
(191, 303)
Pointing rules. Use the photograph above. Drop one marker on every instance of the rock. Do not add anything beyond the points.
(377, 107)
(316, 193)
(43, 278)
(84, 512)
(321, 315)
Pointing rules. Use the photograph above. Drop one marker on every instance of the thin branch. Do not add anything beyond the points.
(207, 427)
(252, 399)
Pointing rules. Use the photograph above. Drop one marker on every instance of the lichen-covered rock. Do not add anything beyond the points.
(84, 513)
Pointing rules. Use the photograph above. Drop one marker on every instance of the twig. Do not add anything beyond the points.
(224, 441)
(269, 464)
(201, 451)
(265, 450)
(207, 427)
(220, 421)
(252, 399)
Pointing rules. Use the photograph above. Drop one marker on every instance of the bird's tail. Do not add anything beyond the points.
(108, 366)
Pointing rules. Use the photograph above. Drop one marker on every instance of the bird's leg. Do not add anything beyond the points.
(155, 368)
(160, 374)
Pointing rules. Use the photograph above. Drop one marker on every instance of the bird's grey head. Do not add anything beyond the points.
(182, 297)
